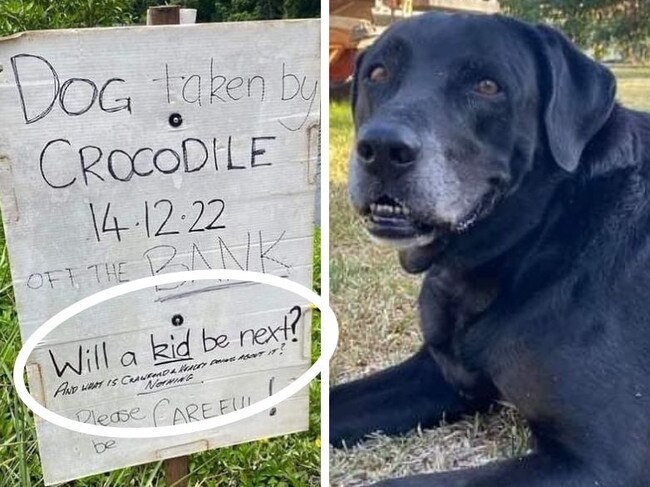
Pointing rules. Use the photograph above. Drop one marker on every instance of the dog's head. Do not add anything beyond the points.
(451, 114)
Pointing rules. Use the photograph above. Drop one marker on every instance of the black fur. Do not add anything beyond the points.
(544, 299)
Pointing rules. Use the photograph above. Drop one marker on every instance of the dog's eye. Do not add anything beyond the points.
(378, 74)
(487, 87)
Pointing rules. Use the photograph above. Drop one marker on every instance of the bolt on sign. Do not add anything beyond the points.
(134, 152)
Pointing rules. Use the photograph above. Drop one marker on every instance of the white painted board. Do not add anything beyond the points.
(131, 152)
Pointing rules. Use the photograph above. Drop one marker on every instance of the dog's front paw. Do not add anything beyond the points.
(344, 429)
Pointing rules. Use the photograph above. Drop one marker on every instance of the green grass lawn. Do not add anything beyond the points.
(288, 461)
(375, 302)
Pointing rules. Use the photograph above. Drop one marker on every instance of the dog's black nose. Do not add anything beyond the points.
(388, 145)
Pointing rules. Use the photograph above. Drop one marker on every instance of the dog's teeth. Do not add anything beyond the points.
(390, 209)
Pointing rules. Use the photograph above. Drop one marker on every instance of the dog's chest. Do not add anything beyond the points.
(449, 305)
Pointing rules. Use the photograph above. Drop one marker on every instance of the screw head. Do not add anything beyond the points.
(175, 120)
(177, 320)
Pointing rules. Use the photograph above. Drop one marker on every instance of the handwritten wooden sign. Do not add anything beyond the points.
(132, 152)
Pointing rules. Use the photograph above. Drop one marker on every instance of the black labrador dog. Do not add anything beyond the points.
(492, 154)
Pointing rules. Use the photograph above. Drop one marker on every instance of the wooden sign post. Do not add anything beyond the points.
(134, 152)
(176, 469)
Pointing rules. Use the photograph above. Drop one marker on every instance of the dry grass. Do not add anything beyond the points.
(375, 303)
(465, 444)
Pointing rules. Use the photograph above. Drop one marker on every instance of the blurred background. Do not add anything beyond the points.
(375, 300)
(20, 15)
(610, 31)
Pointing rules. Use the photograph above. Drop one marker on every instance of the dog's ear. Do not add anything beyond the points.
(580, 96)
(354, 91)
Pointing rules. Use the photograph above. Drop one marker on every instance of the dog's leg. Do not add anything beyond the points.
(536, 470)
(396, 400)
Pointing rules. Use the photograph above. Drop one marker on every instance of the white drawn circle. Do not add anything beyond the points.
(328, 346)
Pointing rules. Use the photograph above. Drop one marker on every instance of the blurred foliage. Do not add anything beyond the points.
(236, 10)
(300, 9)
(21, 15)
(599, 25)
